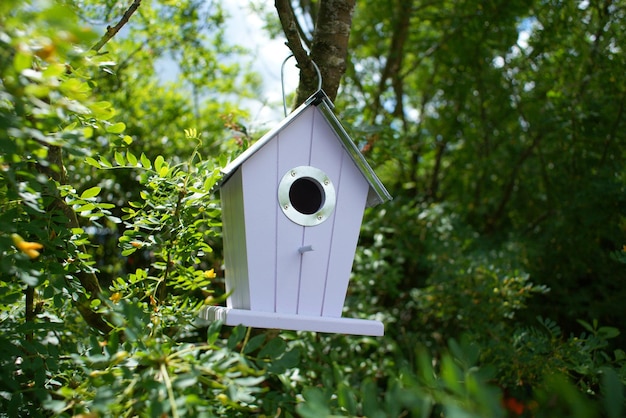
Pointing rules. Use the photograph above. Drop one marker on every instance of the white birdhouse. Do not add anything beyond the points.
(292, 206)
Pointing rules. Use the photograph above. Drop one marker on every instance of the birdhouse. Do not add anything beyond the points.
(292, 206)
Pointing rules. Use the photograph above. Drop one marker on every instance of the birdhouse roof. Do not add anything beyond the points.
(377, 192)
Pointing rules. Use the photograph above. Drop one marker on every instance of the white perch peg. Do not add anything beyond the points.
(305, 248)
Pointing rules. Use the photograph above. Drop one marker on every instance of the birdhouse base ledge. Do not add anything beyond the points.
(294, 322)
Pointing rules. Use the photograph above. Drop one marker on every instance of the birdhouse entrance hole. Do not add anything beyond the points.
(306, 195)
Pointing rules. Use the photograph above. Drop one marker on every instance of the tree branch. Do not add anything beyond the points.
(310, 9)
(329, 47)
(510, 185)
(112, 31)
(290, 28)
(29, 314)
(394, 61)
(294, 41)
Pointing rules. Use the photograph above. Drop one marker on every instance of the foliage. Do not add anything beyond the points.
(495, 125)
(134, 358)
(451, 385)
(150, 372)
(508, 123)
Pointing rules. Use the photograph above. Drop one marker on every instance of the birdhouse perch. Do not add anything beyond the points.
(292, 206)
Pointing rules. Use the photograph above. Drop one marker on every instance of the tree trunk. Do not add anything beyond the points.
(329, 47)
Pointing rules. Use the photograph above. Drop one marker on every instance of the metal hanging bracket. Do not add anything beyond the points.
(282, 80)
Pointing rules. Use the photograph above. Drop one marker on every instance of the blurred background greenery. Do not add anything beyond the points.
(498, 268)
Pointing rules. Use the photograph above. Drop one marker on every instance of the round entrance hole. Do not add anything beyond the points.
(306, 195)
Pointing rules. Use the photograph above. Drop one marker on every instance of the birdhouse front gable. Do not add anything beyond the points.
(292, 208)
(377, 193)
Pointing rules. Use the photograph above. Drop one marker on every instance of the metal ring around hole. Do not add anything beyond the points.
(327, 190)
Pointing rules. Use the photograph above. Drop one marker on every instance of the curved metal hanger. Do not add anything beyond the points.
(282, 80)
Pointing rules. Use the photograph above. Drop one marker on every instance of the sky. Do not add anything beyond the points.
(267, 55)
(245, 28)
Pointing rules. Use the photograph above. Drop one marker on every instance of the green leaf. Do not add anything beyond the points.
(289, 360)
(22, 61)
(239, 332)
(105, 205)
(145, 161)
(213, 332)
(37, 90)
(102, 110)
(91, 192)
(250, 380)
(75, 89)
(613, 393)
(88, 132)
(86, 208)
(254, 343)
(54, 70)
(273, 349)
(93, 162)
(370, 397)
(119, 158)
(185, 380)
(608, 332)
(106, 163)
(346, 398)
(132, 160)
(158, 163)
(29, 279)
(116, 128)
(315, 405)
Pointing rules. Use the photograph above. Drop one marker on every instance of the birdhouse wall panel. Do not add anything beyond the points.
(259, 177)
(351, 200)
(234, 236)
(326, 151)
(314, 268)
(289, 267)
(326, 154)
(294, 144)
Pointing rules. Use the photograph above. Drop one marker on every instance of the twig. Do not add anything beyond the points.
(112, 31)
(245, 340)
(29, 315)
(170, 390)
